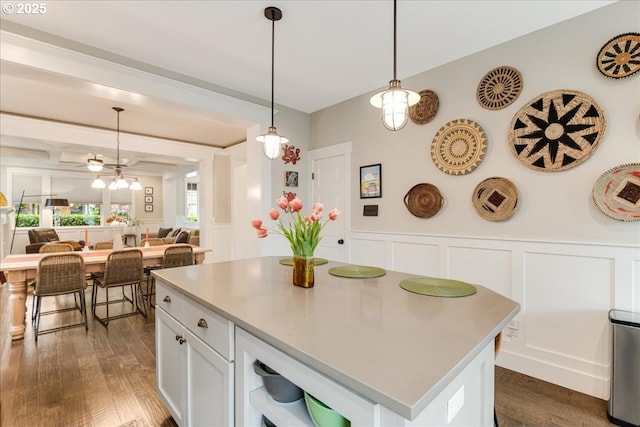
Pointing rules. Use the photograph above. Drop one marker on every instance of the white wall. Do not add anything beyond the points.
(565, 262)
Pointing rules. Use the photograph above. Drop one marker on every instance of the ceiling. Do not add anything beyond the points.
(325, 52)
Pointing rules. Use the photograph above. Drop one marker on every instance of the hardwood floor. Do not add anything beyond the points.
(106, 377)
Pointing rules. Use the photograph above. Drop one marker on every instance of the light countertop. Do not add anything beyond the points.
(394, 347)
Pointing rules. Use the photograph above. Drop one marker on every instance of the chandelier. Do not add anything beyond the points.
(119, 181)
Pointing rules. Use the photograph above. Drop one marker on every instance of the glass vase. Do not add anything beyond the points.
(303, 271)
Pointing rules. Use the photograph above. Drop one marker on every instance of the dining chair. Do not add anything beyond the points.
(123, 269)
(153, 241)
(177, 255)
(59, 274)
(106, 244)
(49, 248)
(55, 247)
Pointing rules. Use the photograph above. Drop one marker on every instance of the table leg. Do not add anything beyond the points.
(17, 304)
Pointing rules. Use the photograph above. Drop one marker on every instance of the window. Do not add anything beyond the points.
(80, 214)
(29, 214)
(192, 202)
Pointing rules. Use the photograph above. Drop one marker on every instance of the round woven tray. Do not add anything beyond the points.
(316, 261)
(426, 109)
(423, 200)
(459, 147)
(620, 56)
(357, 271)
(499, 88)
(436, 287)
(617, 192)
(556, 130)
(495, 198)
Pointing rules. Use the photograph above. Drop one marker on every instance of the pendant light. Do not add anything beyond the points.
(395, 101)
(271, 140)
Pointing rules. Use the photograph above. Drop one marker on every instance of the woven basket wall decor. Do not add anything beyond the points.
(426, 109)
(495, 198)
(620, 56)
(459, 147)
(617, 192)
(556, 130)
(499, 88)
(423, 200)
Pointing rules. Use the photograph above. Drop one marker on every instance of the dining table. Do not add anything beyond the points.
(19, 269)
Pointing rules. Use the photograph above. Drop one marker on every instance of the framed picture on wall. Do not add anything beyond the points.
(290, 179)
(148, 199)
(148, 208)
(148, 190)
(371, 181)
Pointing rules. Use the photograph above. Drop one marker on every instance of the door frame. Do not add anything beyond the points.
(343, 150)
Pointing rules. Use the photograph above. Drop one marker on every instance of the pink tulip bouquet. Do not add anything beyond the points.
(302, 231)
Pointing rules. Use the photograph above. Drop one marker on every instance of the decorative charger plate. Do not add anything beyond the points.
(499, 88)
(495, 198)
(556, 130)
(357, 271)
(425, 109)
(316, 261)
(459, 147)
(423, 200)
(436, 287)
(617, 192)
(620, 56)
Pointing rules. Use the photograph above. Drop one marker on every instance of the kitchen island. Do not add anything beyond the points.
(375, 353)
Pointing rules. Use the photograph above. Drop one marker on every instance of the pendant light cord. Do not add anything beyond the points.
(118, 139)
(394, 40)
(273, 38)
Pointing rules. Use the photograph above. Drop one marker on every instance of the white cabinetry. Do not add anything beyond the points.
(194, 361)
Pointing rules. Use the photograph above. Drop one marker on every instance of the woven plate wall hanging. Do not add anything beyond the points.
(499, 88)
(423, 200)
(459, 147)
(426, 109)
(620, 56)
(617, 192)
(556, 130)
(495, 198)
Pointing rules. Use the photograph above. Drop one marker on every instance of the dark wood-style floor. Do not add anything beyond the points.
(106, 377)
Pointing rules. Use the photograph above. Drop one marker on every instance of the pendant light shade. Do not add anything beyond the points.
(395, 101)
(272, 142)
(98, 183)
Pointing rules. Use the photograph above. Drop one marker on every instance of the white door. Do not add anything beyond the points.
(330, 186)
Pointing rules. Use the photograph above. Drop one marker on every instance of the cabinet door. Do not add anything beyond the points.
(171, 364)
(209, 385)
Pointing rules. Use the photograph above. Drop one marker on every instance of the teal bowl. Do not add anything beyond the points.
(322, 415)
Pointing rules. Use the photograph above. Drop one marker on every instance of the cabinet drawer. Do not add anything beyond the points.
(210, 327)
(170, 300)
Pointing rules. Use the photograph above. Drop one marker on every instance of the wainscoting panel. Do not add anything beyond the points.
(368, 252)
(565, 289)
(566, 294)
(490, 268)
(415, 258)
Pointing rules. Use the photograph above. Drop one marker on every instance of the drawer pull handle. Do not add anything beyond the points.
(167, 299)
(178, 337)
(182, 341)
(202, 323)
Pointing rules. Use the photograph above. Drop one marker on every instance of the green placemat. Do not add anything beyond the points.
(316, 261)
(357, 271)
(436, 287)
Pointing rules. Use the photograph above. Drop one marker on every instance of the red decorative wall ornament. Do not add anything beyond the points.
(289, 195)
(291, 154)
